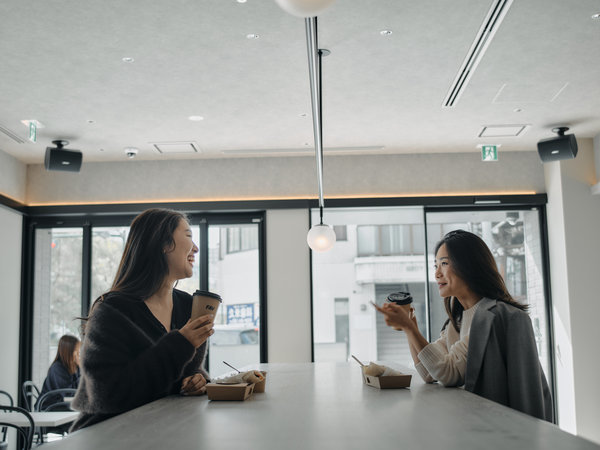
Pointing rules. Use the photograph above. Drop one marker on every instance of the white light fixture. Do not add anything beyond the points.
(321, 237)
(127, 59)
(304, 8)
(196, 118)
(252, 36)
(385, 32)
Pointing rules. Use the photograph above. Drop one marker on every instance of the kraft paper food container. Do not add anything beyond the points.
(260, 386)
(239, 391)
(389, 382)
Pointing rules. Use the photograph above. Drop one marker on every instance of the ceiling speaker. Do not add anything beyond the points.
(62, 159)
(564, 146)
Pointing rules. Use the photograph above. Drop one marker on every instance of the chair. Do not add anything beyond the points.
(26, 432)
(30, 394)
(3, 430)
(47, 402)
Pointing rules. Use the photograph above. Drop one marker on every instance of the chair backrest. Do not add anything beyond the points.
(8, 396)
(25, 432)
(30, 394)
(3, 401)
(54, 400)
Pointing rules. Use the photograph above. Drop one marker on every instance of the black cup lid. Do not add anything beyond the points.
(400, 298)
(208, 294)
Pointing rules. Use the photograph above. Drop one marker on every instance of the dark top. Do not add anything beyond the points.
(58, 378)
(128, 359)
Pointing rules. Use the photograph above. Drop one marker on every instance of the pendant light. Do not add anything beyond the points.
(321, 237)
(304, 8)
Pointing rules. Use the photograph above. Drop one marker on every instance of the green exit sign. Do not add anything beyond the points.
(489, 153)
(32, 131)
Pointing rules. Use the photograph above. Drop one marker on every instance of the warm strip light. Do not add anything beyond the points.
(251, 199)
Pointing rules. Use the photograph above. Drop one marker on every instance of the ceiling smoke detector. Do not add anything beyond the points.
(131, 152)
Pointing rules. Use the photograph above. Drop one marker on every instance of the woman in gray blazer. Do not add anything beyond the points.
(487, 344)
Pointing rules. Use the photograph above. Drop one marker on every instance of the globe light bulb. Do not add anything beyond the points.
(304, 8)
(320, 237)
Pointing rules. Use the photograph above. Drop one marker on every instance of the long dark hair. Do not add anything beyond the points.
(65, 352)
(473, 262)
(143, 266)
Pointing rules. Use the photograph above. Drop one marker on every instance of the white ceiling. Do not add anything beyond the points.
(61, 64)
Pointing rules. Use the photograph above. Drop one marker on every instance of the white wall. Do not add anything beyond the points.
(288, 286)
(292, 177)
(10, 299)
(12, 177)
(573, 227)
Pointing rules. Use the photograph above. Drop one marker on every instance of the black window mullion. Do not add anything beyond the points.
(262, 286)
(203, 254)
(86, 269)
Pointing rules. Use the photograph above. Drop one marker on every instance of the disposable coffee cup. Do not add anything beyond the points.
(403, 299)
(204, 302)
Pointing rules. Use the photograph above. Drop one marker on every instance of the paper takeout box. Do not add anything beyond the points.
(389, 382)
(239, 391)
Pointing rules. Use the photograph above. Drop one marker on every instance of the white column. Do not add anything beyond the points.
(573, 224)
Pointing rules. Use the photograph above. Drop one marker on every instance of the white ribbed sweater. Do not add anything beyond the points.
(445, 360)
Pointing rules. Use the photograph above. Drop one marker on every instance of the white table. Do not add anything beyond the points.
(326, 406)
(41, 419)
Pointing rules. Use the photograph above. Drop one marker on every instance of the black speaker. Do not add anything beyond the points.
(562, 147)
(62, 159)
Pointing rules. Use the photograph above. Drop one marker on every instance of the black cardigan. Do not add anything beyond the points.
(128, 359)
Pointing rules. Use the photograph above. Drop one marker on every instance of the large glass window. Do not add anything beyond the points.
(383, 253)
(108, 244)
(230, 263)
(57, 293)
(233, 273)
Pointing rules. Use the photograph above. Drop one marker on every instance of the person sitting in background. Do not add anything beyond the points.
(139, 342)
(487, 343)
(64, 371)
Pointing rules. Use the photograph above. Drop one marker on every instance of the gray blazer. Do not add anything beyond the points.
(502, 361)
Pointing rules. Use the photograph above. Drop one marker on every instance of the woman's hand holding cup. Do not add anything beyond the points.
(396, 316)
(197, 331)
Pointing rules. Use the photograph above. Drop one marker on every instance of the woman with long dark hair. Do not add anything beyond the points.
(139, 343)
(487, 343)
(63, 372)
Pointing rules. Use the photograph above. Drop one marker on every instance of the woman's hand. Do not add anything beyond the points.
(197, 331)
(397, 317)
(194, 385)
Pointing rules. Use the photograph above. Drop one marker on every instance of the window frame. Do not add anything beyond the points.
(108, 216)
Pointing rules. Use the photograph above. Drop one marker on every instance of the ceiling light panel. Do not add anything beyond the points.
(176, 147)
(488, 131)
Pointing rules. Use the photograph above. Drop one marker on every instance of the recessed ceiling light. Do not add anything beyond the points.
(252, 36)
(385, 32)
(91, 121)
(127, 59)
(517, 110)
(596, 16)
(195, 118)
(241, 1)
